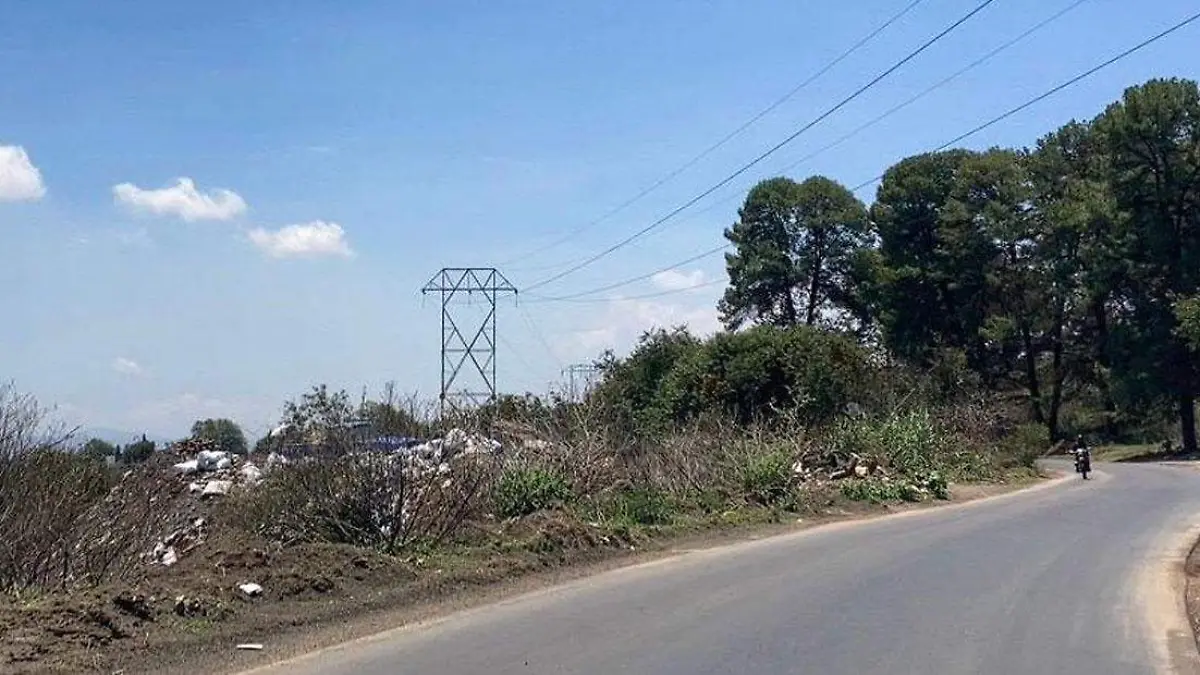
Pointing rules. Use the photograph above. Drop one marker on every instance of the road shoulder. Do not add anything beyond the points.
(372, 625)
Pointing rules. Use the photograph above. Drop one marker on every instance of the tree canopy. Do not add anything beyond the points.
(223, 433)
(1069, 270)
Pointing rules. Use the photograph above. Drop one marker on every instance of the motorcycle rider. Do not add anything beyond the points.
(1082, 454)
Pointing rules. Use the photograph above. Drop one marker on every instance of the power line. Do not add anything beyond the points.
(537, 334)
(1043, 96)
(913, 99)
(861, 90)
(515, 352)
(725, 139)
(996, 120)
(626, 282)
(643, 296)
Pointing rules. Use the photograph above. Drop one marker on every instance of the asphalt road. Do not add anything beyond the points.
(1039, 582)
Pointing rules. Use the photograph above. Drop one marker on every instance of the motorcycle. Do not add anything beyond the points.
(1083, 462)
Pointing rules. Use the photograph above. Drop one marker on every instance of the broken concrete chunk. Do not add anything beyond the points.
(212, 460)
(185, 468)
(216, 487)
(251, 474)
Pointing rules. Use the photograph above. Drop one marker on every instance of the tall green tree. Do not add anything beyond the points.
(1079, 249)
(931, 290)
(225, 434)
(798, 247)
(1152, 137)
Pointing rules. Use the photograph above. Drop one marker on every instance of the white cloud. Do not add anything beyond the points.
(308, 240)
(619, 326)
(20, 180)
(182, 200)
(127, 366)
(678, 280)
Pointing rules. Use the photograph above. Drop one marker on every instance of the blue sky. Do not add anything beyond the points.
(365, 145)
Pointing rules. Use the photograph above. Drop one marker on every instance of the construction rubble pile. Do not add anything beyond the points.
(206, 473)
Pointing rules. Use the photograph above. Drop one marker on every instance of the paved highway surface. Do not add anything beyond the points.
(1046, 581)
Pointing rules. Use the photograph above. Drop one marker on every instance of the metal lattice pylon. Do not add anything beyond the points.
(479, 351)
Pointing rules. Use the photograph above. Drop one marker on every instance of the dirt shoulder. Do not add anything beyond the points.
(318, 596)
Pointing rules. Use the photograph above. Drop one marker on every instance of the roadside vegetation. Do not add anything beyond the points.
(987, 306)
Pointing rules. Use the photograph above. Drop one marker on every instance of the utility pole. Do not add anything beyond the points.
(458, 350)
(579, 374)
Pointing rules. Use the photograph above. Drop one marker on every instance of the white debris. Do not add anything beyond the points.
(798, 467)
(169, 557)
(195, 486)
(212, 460)
(216, 487)
(251, 589)
(188, 467)
(253, 646)
(251, 474)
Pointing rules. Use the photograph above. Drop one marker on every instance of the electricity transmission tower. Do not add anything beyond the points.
(468, 356)
(585, 372)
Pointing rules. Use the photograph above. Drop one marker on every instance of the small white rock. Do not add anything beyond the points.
(251, 474)
(216, 487)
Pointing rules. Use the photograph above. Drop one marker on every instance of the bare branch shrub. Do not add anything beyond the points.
(378, 500)
(61, 520)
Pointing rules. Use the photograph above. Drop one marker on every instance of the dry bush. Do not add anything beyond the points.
(711, 456)
(382, 501)
(62, 522)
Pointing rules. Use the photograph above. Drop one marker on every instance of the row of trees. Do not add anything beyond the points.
(1070, 270)
(224, 434)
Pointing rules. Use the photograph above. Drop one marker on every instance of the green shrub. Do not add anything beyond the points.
(641, 506)
(1024, 445)
(522, 491)
(912, 443)
(878, 491)
(673, 378)
(766, 478)
(937, 485)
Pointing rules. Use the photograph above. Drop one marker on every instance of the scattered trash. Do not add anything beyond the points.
(252, 646)
(251, 589)
(169, 557)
